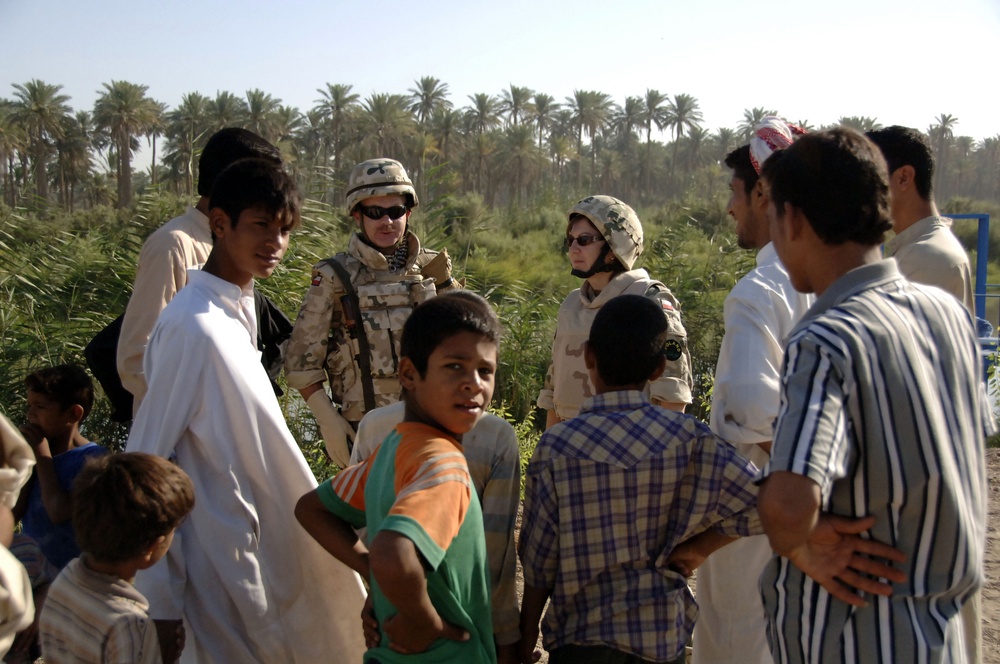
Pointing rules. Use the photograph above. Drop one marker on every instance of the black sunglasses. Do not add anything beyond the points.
(375, 212)
(583, 240)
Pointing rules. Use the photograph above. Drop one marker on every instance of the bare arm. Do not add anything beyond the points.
(58, 502)
(692, 552)
(824, 546)
(397, 567)
(309, 390)
(333, 533)
(532, 608)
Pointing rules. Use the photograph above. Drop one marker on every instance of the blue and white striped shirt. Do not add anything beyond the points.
(883, 407)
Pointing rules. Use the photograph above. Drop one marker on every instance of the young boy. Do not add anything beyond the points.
(494, 462)
(59, 400)
(126, 509)
(610, 494)
(248, 582)
(427, 560)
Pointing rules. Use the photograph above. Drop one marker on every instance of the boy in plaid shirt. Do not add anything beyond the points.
(609, 496)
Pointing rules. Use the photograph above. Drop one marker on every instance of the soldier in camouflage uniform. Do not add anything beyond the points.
(349, 334)
(604, 239)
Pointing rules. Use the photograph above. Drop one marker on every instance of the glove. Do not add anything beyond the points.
(439, 269)
(333, 427)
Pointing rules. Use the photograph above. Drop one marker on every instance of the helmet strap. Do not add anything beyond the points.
(599, 265)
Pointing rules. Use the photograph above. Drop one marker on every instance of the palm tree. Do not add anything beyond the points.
(860, 123)
(387, 121)
(155, 130)
(124, 112)
(40, 110)
(445, 125)
(541, 110)
(590, 111)
(751, 118)
(186, 126)
(73, 149)
(13, 142)
(519, 157)
(725, 141)
(335, 104)
(682, 114)
(654, 113)
(514, 103)
(941, 134)
(226, 110)
(484, 114)
(259, 115)
(428, 96)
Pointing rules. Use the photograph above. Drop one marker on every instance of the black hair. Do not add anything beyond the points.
(627, 339)
(251, 184)
(902, 146)
(227, 146)
(66, 384)
(739, 161)
(123, 502)
(444, 316)
(838, 179)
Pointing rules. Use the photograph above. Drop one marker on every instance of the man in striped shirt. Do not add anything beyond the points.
(882, 420)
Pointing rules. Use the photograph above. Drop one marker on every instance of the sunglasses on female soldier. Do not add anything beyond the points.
(582, 240)
(375, 212)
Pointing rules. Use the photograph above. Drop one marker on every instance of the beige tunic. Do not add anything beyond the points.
(929, 253)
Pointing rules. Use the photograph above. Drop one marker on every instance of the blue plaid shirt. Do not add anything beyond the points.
(609, 494)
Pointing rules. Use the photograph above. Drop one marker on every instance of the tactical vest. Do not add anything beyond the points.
(370, 333)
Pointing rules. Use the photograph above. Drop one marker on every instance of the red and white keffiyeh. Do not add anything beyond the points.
(771, 134)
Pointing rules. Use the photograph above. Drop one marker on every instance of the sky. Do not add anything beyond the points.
(899, 61)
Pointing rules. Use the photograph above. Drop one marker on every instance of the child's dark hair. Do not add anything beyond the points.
(66, 384)
(123, 502)
(251, 184)
(444, 316)
(838, 179)
(627, 339)
(227, 146)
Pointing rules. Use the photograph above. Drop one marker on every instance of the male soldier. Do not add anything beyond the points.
(882, 419)
(181, 243)
(759, 314)
(924, 247)
(352, 316)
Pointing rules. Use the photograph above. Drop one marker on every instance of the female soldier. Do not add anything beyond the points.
(604, 239)
(349, 324)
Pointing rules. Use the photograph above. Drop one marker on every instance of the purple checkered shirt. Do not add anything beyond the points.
(609, 494)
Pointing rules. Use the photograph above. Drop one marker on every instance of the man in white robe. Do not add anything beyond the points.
(248, 581)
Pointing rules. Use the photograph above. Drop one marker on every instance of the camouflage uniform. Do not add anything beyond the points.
(323, 346)
(567, 382)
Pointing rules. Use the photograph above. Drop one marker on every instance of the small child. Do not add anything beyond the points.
(59, 400)
(126, 508)
(611, 493)
(426, 562)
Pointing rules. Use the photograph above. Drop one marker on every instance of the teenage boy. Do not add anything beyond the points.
(611, 492)
(427, 557)
(494, 460)
(248, 582)
(924, 246)
(174, 248)
(882, 419)
(126, 509)
(759, 314)
(59, 400)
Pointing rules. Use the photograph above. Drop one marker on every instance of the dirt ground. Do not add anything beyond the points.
(991, 585)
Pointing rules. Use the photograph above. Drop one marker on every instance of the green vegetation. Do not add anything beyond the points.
(494, 179)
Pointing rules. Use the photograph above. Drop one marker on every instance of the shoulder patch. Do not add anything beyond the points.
(672, 349)
(317, 280)
(666, 305)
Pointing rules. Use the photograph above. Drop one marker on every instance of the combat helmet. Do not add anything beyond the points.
(379, 177)
(620, 226)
